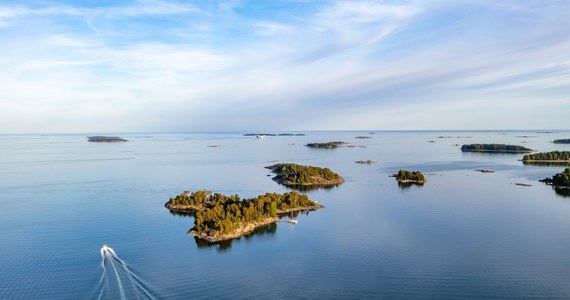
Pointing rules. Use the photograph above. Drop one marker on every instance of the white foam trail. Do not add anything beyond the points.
(119, 281)
(135, 284)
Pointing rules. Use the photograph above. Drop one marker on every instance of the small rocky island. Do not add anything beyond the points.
(219, 217)
(105, 139)
(553, 157)
(562, 141)
(495, 148)
(328, 145)
(298, 175)
(365, 162)
(560, 180)
(405, 176)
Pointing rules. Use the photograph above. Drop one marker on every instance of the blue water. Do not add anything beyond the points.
(464, 234)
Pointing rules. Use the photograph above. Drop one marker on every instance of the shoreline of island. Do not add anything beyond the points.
(409, 177)
(546, 161)
(247, 228)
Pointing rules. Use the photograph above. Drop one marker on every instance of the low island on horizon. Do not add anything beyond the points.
(105, 139)
(327, 145)
(495, 148)
(409, 177)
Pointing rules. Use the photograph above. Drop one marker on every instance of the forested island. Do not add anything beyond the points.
(274, 134)
(219, 217)
(547, 157)
(495, 148)
(298, 175)
(405, 176)
(105, 139)
(562, 141)
(560, 180)
(328, 145)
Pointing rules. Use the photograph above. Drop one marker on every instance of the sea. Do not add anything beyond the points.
(462, 235)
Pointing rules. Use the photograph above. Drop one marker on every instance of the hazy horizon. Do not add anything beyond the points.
(242, 132)
(191, 66)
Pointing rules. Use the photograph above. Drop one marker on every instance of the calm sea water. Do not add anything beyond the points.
(464, 234)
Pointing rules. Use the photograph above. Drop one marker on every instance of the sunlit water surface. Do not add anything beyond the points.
(464, 234)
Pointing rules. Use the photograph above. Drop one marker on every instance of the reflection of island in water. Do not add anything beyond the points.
(563, 192)
(408, 185)
(546, 163)
(226, 245)
(267, 230)
(310, 188)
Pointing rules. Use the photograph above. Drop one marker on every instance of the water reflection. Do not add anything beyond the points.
(309, 188)
(223, 246)
(563, 192)
(547, 164)
(408, 185)
(181, 214)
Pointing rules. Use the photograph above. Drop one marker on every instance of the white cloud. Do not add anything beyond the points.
(359, 64)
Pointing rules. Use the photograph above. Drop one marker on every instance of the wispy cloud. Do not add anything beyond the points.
(167, 65)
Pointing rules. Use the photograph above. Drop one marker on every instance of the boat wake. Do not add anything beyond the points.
(118, 281)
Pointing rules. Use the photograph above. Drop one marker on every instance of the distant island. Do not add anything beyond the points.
(328, 145)
(105, 139)
(560, 180)
(274, 134)
(485, 171)
(362, 137)
(553, 157)
(495, 148)
(298, 175)
(405, 176)
(562, 141)
(367, 162)
(218, 217)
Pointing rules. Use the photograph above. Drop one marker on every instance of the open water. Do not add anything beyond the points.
(464, 234)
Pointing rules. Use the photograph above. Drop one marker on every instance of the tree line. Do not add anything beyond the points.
(299, 174)
(553, 155)
(329, 145)
(220, 214)
(493, 148)
(404, 175)
(562, 179)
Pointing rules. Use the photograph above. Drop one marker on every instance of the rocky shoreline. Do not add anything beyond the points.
(245, 229)
(546, 161)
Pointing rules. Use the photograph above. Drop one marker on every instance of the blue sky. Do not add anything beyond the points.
(115, 66)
